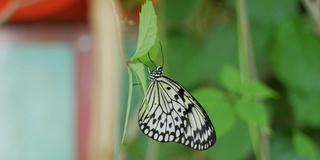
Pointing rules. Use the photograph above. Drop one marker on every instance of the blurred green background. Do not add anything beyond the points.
(200, 41)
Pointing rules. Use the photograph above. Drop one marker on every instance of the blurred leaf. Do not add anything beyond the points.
(235, 144)
(257, 90)
(295, 61)
(217, 107)
(223, 118)
(306, 108)
(281, 147)
(174, 151)
(252, 112)
(230, 78)
(304, 145)
(147, 30)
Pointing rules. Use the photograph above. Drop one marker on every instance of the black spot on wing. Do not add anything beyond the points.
(161, 125)
(154, 121)
(189, 109)
(181, 94)
(176, 97)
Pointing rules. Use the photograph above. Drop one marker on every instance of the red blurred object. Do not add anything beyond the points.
(132, 13)
(46, 10)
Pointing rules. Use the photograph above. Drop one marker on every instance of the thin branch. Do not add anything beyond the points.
(119, 32)
(313, 8)
(248, 71)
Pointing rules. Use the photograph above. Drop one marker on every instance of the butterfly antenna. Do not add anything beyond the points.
(161, 54)
(151, 60)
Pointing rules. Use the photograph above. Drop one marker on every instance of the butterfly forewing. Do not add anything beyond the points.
(159, 116)
(170, 113)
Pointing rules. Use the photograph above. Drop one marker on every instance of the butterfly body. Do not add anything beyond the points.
(169, 113)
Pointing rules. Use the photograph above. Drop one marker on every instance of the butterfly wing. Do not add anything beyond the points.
(159, 116)
(170, 113)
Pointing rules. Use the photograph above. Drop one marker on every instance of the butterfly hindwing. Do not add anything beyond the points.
(199, 132)
(170, 113)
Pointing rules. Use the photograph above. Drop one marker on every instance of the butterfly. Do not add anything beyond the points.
(169, 113)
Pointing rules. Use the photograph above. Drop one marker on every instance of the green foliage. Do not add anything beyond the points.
(304, 145)
(252, 112)
(257, 90)
(246, 105)
(230, 78)
(139, 71)
(235, 144)
(147, 30)
(286, 59)
(298, 68)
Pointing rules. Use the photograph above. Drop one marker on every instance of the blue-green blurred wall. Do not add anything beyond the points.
(37, 102)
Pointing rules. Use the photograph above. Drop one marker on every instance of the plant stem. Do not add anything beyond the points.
(247, 72)
(243, 41)
(128, 106)
(119, 32)
(313, 7)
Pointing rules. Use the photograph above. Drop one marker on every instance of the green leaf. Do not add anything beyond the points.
(139, 71)
(257, 90)
(306, 108)
(222, 117)
(296, 62)
(304, 145)
(217, 107)
(225, 147)
(153, 53)
(252, 112)
(147, 30)
(230, 78)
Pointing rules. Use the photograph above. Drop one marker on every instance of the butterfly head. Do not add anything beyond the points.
(156, 73)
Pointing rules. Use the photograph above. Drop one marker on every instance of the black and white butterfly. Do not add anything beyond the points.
(169, 113)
